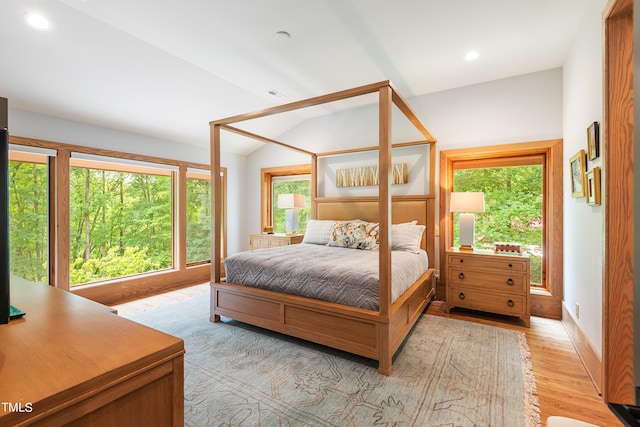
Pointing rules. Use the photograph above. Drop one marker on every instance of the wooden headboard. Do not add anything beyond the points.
(403, 209)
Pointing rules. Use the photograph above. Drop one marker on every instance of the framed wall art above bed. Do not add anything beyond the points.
(377, 329)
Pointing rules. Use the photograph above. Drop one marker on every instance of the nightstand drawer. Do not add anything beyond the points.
(259, 243)
(511, 305)
(491, 263)
(262, 241)
(497, 280)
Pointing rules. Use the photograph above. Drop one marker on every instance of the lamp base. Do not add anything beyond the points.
(467, 231)
(291, 221)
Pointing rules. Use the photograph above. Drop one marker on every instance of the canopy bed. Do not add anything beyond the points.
(374, 329)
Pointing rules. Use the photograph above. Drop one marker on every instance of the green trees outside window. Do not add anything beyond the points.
(198, 220)
(28, 220)
(120, 224)
(513, 208)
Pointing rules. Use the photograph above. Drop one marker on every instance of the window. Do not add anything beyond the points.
(535, 164)
(29, 216)
(113, 220)
(514, 210)
(291, 184)
(198, 216)
(284, 180)
(120, 220)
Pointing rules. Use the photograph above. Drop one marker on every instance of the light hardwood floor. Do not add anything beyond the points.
(563, 385)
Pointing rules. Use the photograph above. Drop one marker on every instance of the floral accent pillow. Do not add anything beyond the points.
(355, 235)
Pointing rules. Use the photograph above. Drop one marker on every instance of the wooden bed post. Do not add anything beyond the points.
(314, 186)
(384, 203)
(216, 210)
(384, 200)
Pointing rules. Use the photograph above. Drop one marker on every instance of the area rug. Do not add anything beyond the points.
(447, 373)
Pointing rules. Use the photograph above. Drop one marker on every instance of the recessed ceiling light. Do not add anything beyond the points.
(282, 35)
(36, 20)
(471, 55)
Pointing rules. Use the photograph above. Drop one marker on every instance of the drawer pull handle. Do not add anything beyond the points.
(461, 276)
(510, 303)
(461, 260)
(461, 295)
(510, 281)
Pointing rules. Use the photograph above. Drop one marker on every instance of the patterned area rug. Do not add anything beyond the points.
(447, 373)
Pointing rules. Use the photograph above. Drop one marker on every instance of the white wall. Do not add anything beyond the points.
(37, 126)
(518, 109)
(583, 225)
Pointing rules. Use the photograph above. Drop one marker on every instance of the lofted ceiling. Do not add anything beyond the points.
(165, 68)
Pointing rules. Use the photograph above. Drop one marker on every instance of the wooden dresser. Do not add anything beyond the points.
(73, 361)
(261, 241)
(487, 281)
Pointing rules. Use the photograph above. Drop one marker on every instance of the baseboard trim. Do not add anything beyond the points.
(587, 354)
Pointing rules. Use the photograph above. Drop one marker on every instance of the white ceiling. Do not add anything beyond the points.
(165, 68)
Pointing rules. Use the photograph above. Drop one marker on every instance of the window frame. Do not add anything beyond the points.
(122, 288)
(192, 173)
(38, 159)
(266, 190)
(547, 300)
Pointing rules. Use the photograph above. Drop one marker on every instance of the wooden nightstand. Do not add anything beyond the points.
(487, 281)
(261, 241)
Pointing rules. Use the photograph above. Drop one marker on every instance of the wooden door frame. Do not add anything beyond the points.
(618, 154)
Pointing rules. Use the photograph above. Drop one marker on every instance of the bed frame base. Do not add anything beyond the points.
(354, 330)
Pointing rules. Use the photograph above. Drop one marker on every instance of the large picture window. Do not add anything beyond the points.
(108, 225)
(120, 220)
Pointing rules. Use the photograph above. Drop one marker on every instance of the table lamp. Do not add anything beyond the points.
(466, 203)
(291, 202)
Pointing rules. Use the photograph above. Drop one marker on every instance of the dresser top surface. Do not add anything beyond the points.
(459, 251)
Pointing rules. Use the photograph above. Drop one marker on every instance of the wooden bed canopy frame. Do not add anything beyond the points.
(375, 335)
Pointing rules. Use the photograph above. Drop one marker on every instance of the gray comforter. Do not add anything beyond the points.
(340, 275)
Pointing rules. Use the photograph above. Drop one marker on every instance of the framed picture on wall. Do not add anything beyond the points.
(593, 141)
(593, 187)
(577, 166)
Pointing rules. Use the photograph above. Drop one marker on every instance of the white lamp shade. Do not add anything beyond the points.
(466, 202)
(290, 201)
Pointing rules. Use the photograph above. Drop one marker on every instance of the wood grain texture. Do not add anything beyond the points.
(487, 281)
(618, 144)
(56, 361)
(588, 355)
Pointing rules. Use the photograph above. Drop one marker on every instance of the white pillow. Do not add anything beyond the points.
(318, 231)
(407, 236)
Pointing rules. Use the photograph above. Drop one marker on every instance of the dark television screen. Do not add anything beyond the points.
(4, 227)
(629, 415)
